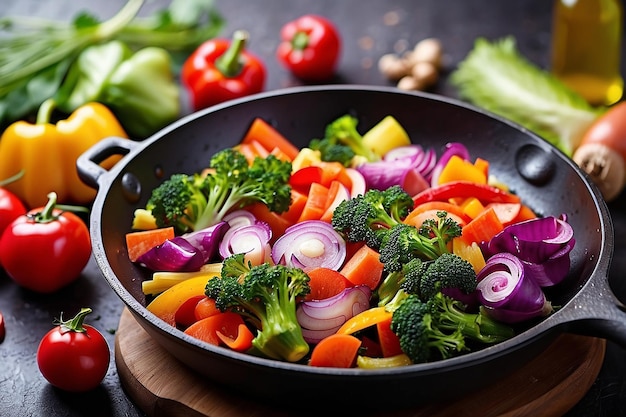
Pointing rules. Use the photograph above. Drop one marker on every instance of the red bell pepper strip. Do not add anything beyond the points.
(220, 70)
(464, 189)
(310, 47)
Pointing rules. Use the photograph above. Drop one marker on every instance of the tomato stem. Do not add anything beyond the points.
(76, 323)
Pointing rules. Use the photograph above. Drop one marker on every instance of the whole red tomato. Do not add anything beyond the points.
(310, 47)
(11, 208)
(74, 356)
(46, 248)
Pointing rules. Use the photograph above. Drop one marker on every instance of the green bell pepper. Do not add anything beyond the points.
(139, 87)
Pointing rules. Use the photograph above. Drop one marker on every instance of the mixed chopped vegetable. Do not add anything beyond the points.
(312, 256)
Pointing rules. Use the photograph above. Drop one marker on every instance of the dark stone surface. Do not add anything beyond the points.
(369, 29)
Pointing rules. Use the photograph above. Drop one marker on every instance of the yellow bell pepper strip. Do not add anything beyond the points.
(164, 306)
(365, 319)
(47, 153)
(366, 362)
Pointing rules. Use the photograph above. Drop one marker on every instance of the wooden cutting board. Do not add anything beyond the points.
(549, 385)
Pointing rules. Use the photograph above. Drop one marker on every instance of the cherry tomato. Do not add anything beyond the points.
(45, 249)
(310, 47)
(74, 356)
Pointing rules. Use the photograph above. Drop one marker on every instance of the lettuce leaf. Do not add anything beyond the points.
(497, 78)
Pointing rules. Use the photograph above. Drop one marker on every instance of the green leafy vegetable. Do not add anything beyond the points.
(496, 77)
(35, 53)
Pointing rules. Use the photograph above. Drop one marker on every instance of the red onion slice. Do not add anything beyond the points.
(185, 253)
(310, 244)
(533, 240)
(358, 182)
(414, 156)
(504, 287)
(253, 240)
(321, 318)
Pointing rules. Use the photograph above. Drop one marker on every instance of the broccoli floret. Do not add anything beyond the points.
(441, 326)
(427, 242)
(266, 294)
(448, 272)
(404, 278)
(368, 217)
(341, 133)
(331, 151)
(194, 202)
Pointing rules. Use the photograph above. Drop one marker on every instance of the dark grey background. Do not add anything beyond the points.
(369, 28)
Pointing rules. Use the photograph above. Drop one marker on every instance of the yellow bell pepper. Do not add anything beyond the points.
(47, 153)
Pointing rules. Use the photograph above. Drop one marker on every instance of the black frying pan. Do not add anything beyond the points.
(547, 181)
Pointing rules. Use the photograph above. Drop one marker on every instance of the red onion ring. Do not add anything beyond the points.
(253, 240)
(321, 318)
(310, 244)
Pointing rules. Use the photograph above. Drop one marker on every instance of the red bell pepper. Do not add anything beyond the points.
(220, 70)
(310, 47)
(465, 189)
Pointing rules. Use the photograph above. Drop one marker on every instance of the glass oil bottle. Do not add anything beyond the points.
(586, 48)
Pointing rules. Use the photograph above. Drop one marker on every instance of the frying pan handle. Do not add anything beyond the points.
(598, 312)
(87, 164)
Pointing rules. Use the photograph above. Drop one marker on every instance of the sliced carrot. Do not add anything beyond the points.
(435, 205)
(276, 221)
(389, 341)
(315, 203)
(337, 192)
(298, 200)
(185, 314)
(269, 137)
(506, 212)
(334, 171)
(336, 351)
(248, 151)
(138, 243)
(278, 153)
(364, 268)
(325, 283)
(481, 229)
(205, 308)
(241, 341)
(206, 329)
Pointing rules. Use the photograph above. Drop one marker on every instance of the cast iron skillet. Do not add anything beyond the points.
(546, 179)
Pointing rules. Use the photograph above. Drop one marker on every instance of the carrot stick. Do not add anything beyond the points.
(315, 203)
(298, 201)
(482, 228)
(336, 351)
(269, 137)
(138, 243)
(389, 341)
(325, 283)
(337, 192)
(205, 308)
(363, 268)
